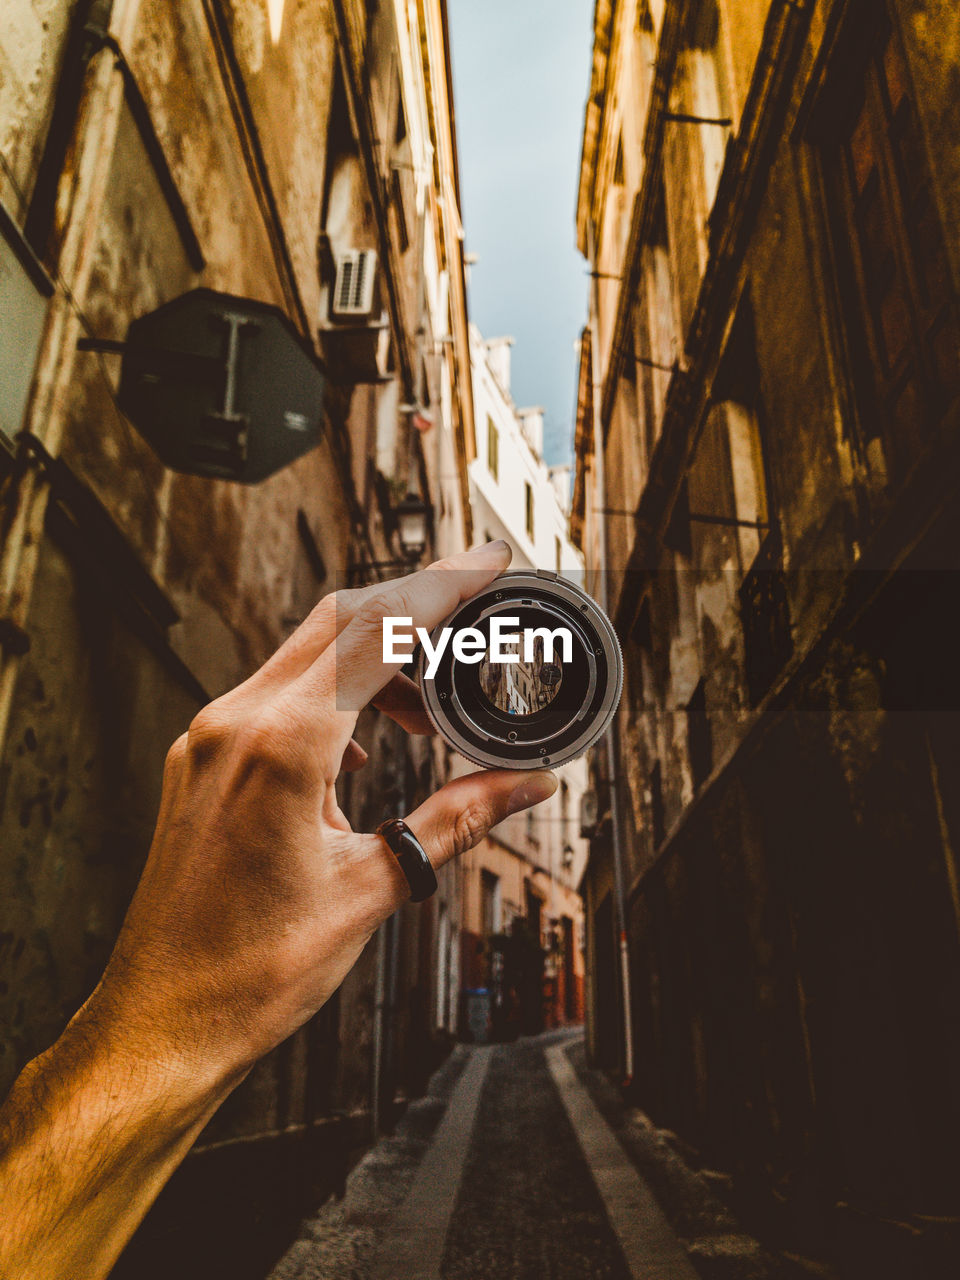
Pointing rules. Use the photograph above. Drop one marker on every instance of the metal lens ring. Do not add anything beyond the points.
(550, 703)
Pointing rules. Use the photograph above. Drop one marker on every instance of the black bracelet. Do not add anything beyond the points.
(412, 856)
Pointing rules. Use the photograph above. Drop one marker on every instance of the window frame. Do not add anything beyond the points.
(493, 448)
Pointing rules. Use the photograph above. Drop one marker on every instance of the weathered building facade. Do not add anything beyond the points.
(767, 466)
(263, 151)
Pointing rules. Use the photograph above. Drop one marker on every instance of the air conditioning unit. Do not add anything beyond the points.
(588, 815)
(354, 289)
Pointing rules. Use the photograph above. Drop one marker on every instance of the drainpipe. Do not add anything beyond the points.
(376, 1051)
(388, 965)
(610, 740)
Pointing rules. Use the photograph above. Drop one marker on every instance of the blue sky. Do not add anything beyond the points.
(521, 72)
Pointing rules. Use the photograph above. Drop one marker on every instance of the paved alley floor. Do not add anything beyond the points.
(519, 1166)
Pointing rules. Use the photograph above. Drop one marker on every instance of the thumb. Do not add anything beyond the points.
(459, 815)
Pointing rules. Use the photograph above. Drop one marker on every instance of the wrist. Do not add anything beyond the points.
(167, 1071)
(90, 1133)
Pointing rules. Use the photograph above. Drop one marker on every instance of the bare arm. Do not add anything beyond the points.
(90, 1133)
(255, 902)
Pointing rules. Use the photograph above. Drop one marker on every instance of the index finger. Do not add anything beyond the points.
(352, 669)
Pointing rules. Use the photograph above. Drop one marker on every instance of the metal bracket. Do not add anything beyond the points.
(358, 572)
(727, 522)
(161, 360)
(681, 117)
(228, 434)
(654, 364)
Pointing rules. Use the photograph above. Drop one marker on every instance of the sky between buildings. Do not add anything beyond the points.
(521, 71)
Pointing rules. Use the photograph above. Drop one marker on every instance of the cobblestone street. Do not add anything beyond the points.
(523, 1163)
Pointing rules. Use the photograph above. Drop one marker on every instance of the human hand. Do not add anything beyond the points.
(257, 897)
(255, 901)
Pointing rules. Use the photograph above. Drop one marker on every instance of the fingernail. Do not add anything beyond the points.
(533, 789)
(499, 544)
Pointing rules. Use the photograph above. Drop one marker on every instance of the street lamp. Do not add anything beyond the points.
(412, 516)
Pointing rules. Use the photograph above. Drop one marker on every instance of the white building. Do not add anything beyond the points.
(531, 864)
(514, 494)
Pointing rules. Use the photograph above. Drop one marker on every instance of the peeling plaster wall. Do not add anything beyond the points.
(29, 59)
(94, 705)
(79, 789)
(794, 922)
(93, 711)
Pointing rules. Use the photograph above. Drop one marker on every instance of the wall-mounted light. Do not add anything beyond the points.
(413, 519)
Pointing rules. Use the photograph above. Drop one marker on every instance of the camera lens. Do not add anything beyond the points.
(536, 678)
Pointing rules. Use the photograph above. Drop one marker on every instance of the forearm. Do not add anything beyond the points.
(88, 1136)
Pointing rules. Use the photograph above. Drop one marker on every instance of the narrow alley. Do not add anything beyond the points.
(591, 908)
(522, 1163)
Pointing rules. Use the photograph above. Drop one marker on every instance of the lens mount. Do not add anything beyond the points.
(546, 705)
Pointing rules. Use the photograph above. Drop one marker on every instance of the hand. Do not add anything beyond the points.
(257, 897)
(255, 901)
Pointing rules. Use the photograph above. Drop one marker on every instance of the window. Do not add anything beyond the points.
(892, 269)
(641, 633)
(396, 190)
(618, 164)
(737, 388)
(528, 495)
(532, 829)
(677, 535)
(493, 449)
(764, 607)
(699, 737)
(400, 132)
(765, 616)
(658, 818)
(24, 293)
(657, 325)
(534, 912)
(708, 98)
(489, 903)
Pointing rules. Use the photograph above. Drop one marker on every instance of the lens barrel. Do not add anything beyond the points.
(548, 702)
